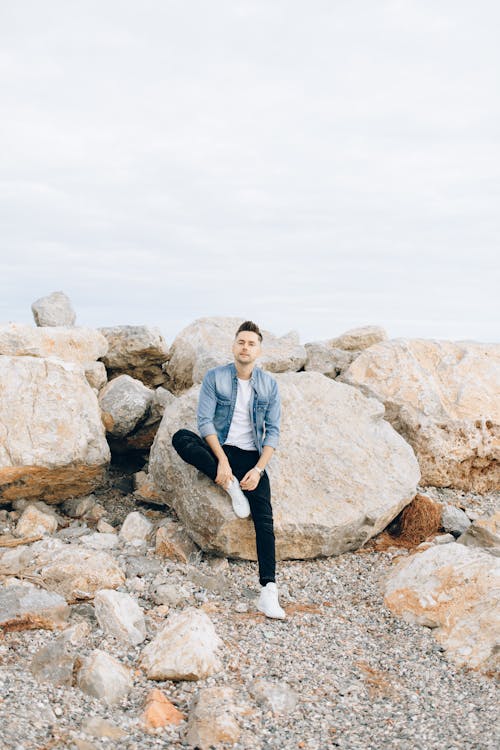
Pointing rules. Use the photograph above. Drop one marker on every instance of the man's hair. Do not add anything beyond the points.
(249, 326)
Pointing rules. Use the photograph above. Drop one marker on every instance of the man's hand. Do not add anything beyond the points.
(224, 473)
(250, 480)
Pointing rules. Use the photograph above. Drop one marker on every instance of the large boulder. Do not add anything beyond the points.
(443, 397)
(80, 345)
(341, 474)
(52, 440)
(455, 590)
(53, 310)
(207, 342)
(138, 351)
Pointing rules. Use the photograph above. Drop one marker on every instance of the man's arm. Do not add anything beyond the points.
(224, 473)
(207, 403)
(272, 423)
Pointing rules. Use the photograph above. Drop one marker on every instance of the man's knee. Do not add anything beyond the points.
(179, 439)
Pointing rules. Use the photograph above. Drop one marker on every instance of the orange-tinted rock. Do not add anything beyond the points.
(159, 711)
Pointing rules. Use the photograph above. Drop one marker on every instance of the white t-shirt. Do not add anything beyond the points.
(240, 431)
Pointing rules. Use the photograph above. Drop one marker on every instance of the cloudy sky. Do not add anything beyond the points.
(314, 166)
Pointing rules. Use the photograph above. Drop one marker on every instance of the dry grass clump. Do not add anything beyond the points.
(416, 523)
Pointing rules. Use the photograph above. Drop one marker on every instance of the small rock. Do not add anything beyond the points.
(34, 522)
(100, 541)
(281, 698)
(159, 711)
(185, 649)
(125, 401)
(14, 561)
(138, 565)
(54, 663)
(96, 375)
(105, 528)
(53, 310)
(76, 507)
(119, 614)
(443, 539)
(97, 727)
(104, 677)
(173, 542)
(454, 520)
(484, 533)
(213, 718)
(136, 528)
(169, 594)
(27, 607)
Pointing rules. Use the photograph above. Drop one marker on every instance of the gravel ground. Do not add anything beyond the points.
(363, 678)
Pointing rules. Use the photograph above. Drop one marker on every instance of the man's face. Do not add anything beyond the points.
(246, 347)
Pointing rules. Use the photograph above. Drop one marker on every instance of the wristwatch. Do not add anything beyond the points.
(261, 471)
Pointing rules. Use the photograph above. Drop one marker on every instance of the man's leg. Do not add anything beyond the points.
(194, 450)
(261, 509)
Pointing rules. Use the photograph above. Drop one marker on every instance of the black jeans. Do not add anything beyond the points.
(195, 451)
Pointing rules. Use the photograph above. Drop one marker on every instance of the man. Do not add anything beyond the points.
(239, 422)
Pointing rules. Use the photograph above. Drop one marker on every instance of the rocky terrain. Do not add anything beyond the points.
(128, 588)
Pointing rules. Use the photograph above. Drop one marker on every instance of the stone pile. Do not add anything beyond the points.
(128, 599)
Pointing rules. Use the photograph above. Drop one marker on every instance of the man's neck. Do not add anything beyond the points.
(244, 372)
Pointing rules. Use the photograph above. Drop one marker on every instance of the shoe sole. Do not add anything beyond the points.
(272, 617)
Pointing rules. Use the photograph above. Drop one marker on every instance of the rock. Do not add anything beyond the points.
(125, 401)
(442, 396)
(213, 718)
(173, 542)
(97, 727)
(185, 649)
(483, 533)
(146, 490)
(78, 573)
(443, 539)
(359, 338)
(77, 507)
(170, 595)
(104, 677)
(454, 520)
(96, 375)
(141, 439)
(138, 565)
(119, 615)
(53, 310)
(34, 522)
(14, 561)
(52, 439)
(321, 357)
(455, 590)
(27, 607)
(105, 528)
(77, 345)
(54, 663)
(207, 342)
(100, 541)
(136, 528)
(278, 696)
(159, 711)
(340, 475)
(138, 351)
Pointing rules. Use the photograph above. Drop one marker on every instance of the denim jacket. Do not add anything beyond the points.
(218, 397)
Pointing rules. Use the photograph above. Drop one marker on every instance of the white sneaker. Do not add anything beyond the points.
(241, 506)
(268, 602)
